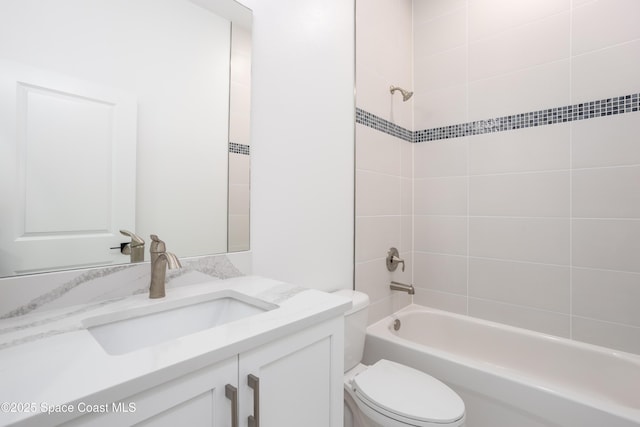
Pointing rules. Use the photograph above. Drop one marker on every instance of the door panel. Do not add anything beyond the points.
(68, 157)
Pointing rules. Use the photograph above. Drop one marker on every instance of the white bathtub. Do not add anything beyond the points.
(513, 377)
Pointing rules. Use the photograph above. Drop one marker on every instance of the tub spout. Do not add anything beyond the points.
(397, 286)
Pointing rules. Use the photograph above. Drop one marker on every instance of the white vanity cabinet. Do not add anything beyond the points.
(194, 400)
(296, 380)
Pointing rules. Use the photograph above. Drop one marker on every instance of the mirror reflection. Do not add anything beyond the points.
(120, 115)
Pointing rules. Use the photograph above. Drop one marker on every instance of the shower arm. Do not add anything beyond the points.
(405, 93)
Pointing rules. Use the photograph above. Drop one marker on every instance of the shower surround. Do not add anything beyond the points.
(509, 181)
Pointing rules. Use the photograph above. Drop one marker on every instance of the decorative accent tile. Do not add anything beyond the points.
(583, 111)
(239, 148)
(378, 123)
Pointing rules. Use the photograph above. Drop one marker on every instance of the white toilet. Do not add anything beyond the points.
(389, 394)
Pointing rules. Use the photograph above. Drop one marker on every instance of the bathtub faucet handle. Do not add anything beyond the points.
(393, 259)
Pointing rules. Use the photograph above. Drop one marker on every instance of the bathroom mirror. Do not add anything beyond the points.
(122, 115)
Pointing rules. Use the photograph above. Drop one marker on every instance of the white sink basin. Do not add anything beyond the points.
(128, 330)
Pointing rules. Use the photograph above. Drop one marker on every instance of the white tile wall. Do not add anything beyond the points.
(606, 295)
(441, 158)
(606, 141)
(384, 164)
(488, 17)
(524, 150)
(427, 10)
(239, 133)
(605, 73)
(542, 240)
(384, 40)
(600, 24)
(375, 235)
(608, 244)
(383, 193)
(537, 227)
(451, 70)
(384, 207)
(521, 316)
(441, 56)
(440, 196)
(540, 194)
(593, 196)
(441, 234)
(431, 33)
(440, 107)
(375, 152)
(528, 89)
(540, 286)
(525, 46)
(444, 273)
(442, 300)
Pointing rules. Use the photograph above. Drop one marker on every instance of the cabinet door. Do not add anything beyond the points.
(295, 381)
(196, 399)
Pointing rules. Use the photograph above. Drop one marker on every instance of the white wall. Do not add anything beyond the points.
(302, 146)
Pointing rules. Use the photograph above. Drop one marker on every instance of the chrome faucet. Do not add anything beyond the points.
(160, 260)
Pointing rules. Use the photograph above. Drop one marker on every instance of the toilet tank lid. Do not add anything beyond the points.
(359, 300)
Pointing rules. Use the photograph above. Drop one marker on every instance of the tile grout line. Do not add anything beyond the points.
(571, 10)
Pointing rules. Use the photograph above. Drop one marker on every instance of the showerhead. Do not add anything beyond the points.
(405, 93)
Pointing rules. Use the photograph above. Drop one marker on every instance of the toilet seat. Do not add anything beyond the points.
(407, 395)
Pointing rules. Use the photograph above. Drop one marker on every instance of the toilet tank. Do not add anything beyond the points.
(355, 327)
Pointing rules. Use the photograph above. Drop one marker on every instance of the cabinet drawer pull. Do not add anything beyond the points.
(231, 393)
(254, 383)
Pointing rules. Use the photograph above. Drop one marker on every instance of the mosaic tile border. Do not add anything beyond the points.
(582, 111)
(378, 123)
(239, 148)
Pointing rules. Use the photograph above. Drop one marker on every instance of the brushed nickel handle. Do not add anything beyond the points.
(393, 259)
(134, 248)
(254, 383)
(231, 393)
(137, 240)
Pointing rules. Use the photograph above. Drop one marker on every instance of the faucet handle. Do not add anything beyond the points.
(393, 259)
(157, 245)
(134, 248)
(135, 239)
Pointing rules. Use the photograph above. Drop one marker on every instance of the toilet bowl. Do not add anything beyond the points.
(389, 394)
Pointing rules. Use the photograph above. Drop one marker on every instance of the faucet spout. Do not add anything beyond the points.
(397, 286)
(160, 261)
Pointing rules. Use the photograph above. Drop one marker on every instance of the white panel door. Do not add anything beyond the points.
(68, 171)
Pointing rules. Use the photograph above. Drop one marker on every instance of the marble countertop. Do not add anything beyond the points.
(49, 359)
